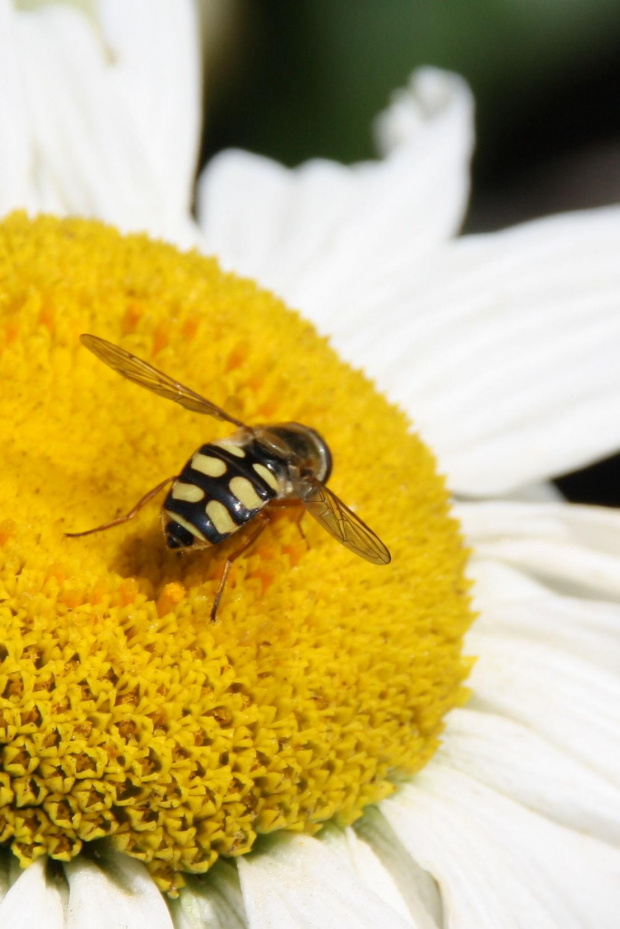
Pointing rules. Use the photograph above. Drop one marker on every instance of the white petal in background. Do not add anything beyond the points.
(158, 73)
(15, 154)
(506, 350)
(109, 116)
(320, 233)
(573, 548)
(502, 348)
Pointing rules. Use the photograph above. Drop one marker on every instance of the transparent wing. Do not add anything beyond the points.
(144, 374)
(341, 522)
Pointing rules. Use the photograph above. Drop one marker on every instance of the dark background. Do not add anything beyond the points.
(299, 79)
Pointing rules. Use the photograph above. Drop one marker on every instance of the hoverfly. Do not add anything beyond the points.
(229, 483)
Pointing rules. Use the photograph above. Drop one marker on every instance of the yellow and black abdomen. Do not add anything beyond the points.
(221, 487)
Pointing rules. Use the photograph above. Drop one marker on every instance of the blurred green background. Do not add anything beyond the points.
(299, 79)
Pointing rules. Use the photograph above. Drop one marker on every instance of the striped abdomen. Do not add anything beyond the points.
(221, 487)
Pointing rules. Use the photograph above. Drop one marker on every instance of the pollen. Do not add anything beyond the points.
(126, 715)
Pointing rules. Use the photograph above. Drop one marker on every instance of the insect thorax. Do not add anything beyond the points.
(301, 445)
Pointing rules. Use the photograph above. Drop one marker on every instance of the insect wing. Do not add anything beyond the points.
(144, 374)
(342, 522)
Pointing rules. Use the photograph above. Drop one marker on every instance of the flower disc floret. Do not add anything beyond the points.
(125, 714)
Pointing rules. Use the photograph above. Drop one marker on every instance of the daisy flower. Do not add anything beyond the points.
(318, 756)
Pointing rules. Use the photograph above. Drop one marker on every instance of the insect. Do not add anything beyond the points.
(236, 481)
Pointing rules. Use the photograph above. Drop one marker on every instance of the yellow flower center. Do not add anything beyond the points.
(125, 713)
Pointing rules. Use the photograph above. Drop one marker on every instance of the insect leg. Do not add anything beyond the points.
(123, 519)
(249, 541)
(300, 511)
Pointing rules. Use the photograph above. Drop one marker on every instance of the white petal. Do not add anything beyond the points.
(574, 548)
(120, 893)
(584, 628)
(33, 901)
(367, 866)
(517, 762)
(505, 350)
(594, 527)
(500, 865)
(570, 701)
(15, 154)
(494, 580)
(542, 492)
(212, 902)
(548, 661)
(95, 147)
(6, 861)
(299, 882)
(67, 113)
(322, 233)
(155, 44)
(417, 887)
